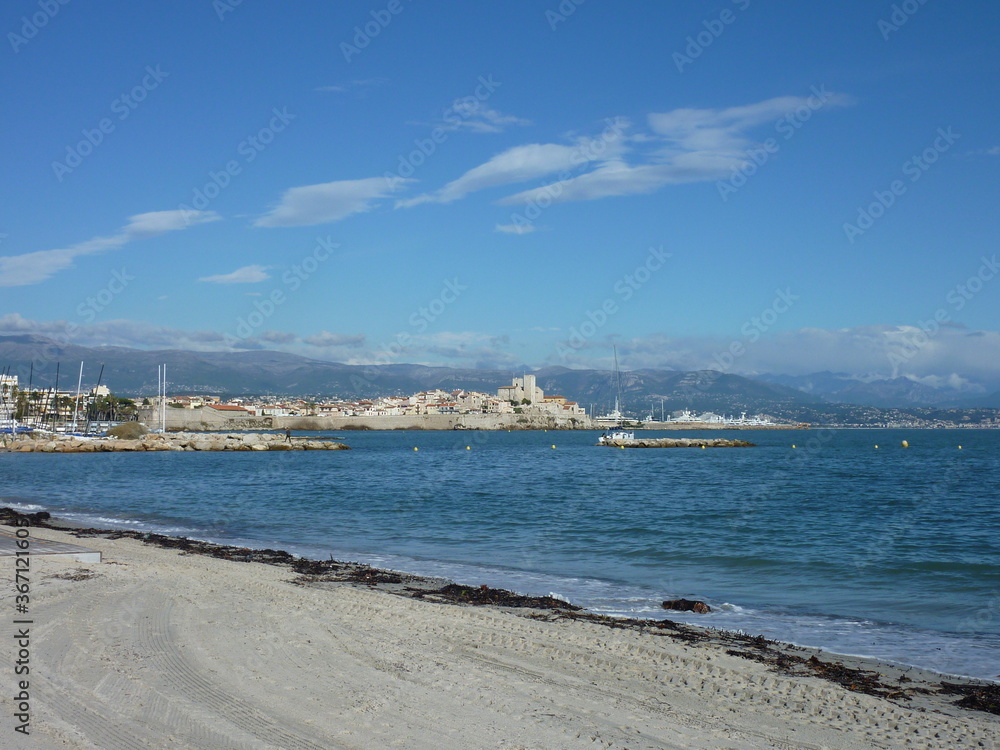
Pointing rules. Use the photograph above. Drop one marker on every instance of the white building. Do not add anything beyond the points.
(521, 389)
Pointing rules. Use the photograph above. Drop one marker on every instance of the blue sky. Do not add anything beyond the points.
(754, 187)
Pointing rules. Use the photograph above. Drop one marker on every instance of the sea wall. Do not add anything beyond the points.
(207, 419)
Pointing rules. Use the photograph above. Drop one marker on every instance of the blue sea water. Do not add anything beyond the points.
(888, 552)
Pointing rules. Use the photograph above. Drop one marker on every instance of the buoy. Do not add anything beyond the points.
(703, 447)
(876, 447)
(960, 447)
(553, 447)
(622, 447)
(415, 448)
(905, 444)
(468, 448)
(793, 445)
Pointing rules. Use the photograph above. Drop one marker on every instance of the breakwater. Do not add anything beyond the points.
(677, 443)
(175, 441)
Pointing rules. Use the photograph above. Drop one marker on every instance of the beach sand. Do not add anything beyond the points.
(156, 648)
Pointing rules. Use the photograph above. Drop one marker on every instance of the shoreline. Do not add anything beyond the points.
(806, 684)
(248, 549)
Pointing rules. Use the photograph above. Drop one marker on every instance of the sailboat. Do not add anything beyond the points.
(616, 432)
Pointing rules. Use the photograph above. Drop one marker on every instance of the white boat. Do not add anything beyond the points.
(616, 432)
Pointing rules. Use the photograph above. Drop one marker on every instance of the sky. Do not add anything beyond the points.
(751, 187)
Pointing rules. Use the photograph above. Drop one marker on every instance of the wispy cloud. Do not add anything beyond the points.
(245, 275)
(682, 146)
(328, 202)
(686, 146)
(142, 335)
(357, 85)
(871, 352)
(326, 339)
(33, 268)
(993, 151)
(518, 164)
(131, 333)
(473, 115)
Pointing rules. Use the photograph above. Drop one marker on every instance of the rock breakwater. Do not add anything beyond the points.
(175, 441)
(678, 443)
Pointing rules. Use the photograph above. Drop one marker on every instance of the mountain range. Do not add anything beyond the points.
(133, 372)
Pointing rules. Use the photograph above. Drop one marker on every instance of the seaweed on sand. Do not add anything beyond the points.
(484, 595)
(977, 697)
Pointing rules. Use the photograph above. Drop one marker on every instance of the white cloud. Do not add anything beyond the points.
(878, 351)
(613, 177)
(278, 337)
(993, 151)
(515, 228)
(518, 164)
(325, 339)
(328, 202)
(33, 268)
(128, 333)
(473, 115)
(343, 88)
(690, 145)
(683, 146)
(246, 275)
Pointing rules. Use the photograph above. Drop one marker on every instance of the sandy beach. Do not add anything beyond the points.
(160, 648)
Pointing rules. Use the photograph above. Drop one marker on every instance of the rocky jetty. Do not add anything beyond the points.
(173, 441)
(678, 443)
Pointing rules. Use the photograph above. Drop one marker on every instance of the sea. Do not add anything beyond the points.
(845, 540)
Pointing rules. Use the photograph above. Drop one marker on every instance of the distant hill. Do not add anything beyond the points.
(132, 372)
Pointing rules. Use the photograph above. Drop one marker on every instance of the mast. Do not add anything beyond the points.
(76, 405)
(159, 389)
(163, 401)
(101, 375)
(55, 397)
(27, 401)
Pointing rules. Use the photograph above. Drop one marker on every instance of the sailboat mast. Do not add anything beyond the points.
(99, 377)
(76, 405)
(27, 403)
(163, 402)
(55, 398)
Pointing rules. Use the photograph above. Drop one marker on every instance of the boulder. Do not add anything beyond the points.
(687, 605)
